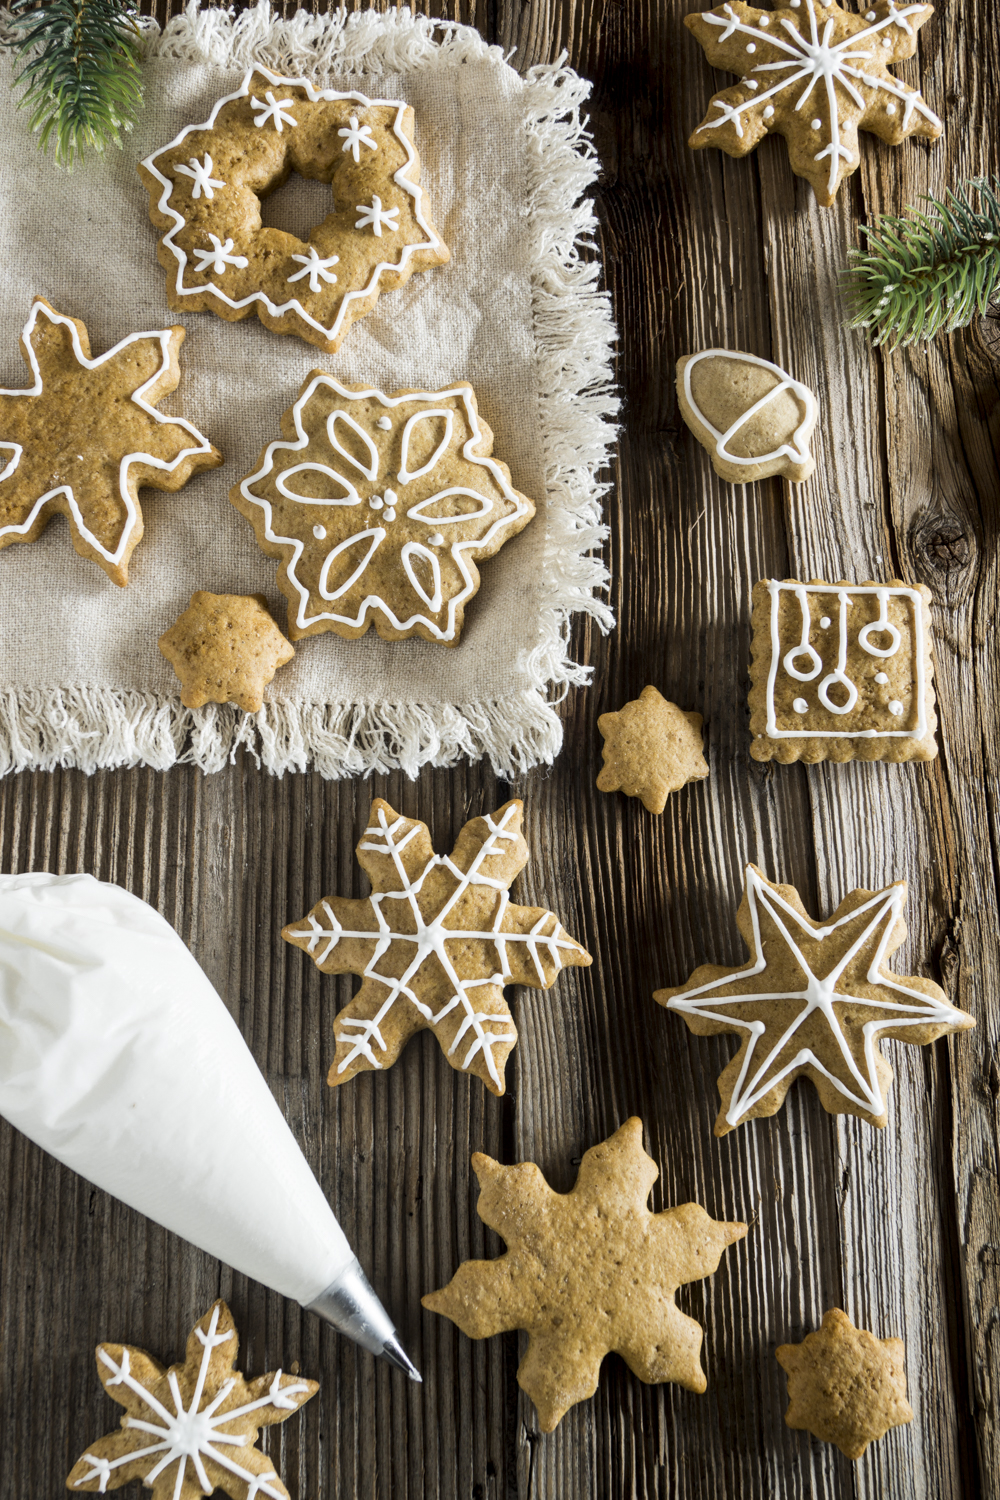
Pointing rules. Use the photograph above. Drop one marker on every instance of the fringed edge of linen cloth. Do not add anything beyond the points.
(93, 728)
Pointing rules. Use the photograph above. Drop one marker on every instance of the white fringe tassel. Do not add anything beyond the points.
(574, 331)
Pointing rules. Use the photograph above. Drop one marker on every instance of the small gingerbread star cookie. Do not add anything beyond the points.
(587, 1272)
(225, 648)
(651, 748)
(844, 1386)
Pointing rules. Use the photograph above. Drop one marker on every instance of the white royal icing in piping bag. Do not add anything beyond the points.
(119, 1058)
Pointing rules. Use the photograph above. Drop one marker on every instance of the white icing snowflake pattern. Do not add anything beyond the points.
(219, 257)
(275, 109)
(377, 217)
(357, 136)
(201, 172)
(317, 269)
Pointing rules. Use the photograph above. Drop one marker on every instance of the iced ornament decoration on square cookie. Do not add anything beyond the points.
(205, 189)
(841, 671)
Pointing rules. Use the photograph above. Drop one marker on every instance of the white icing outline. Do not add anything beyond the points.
(818, 994)
(377, 534)
(314, 96)
(164, 335)
(797, 450)
(281, 485)
(338, 415)
(801, 590)
(417, 549)
(838, 677)
(405, 475)
(457, 549)
(15, 456)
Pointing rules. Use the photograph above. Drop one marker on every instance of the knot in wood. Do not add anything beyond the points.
(944, 544)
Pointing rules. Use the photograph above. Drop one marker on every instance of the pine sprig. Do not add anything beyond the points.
(79, 62)
(929, 270)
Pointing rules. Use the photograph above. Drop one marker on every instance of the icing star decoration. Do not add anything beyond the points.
(586, 1273)
(225, 648)
(651, 748)
(192, 1429)
(815, 74)
(844, 1386)
(815, 999)
(86, 434)
(435, 943)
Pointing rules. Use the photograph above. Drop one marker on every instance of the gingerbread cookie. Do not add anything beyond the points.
(225, 648)
(815, 999)
(587, 1272)
(651, 748)
(86, 434)
(435, 943)
(817, 75)
(379, 508)
(841, 671)
(751, 416)
(192, 1429)
(844, 1386)
(205, 189)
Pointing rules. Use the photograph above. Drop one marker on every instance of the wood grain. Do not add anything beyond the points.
(901, 1227)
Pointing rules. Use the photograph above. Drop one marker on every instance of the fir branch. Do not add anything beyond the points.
(79, 63)
(930, 270)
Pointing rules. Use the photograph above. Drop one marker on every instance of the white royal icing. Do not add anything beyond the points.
(377, 217)
(315, 267)
(797, 450)
(357, 136)
(275, 109)
(35, 389)
(401, 178)
(817, 994)
(838, 677)
(811, 59)
(219, 257)
(201, 172)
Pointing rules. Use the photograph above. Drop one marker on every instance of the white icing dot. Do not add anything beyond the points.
(385, 423)
(319, 532)
(752, 84)
(816, 124)
(869, 15)
(890, 109)
(825, 623)
(895, 707)
(795, 4)
(375, 502)
(390, 497)
(881, 678)
(390, 514)
(769, 111)
(764, 21)
(436, 539)
(800, 706)
(751, 46)
(887, 41)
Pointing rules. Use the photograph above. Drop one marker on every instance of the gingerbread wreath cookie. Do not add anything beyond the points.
(841, 671)
(750, 415)
(205, 189)
(651, 748)
(379, 508)
(86, 434)
(435, 943)
(192, 1429)
(815, 999)
(844, 1385)
(225, 648)
(815, 74)
(587, 1272)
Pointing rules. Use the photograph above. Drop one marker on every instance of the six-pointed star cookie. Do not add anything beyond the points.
(586, 1273)
(651, 748)
(86, 434)
(817, 75)
(192, 1429)
(815, 999)
(379, 508)
(225, 648)
(436, 942)
(844, 1385)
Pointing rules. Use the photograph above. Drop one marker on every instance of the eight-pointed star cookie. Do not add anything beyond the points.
(379, 508)
(192, 1429)
(587, 1273)
(435, 942)
(844, 1385)
(814, 999)
(815, 74)
(651, 748)
(85, 435)
(225, 648)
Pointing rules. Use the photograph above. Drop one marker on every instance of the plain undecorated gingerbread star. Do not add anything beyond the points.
(587, 1273)
(651, 748)
(225, 648)
(844, 1385)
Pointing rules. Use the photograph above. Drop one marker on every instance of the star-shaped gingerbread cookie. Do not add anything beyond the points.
(86, 435)
(815, 74)
(844, 1385)
(651, 748)
(192, 1429)
(815, 999)
(435, 942)
(586, 1273)
(225, 648)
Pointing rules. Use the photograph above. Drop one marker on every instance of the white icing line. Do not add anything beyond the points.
(797, 450)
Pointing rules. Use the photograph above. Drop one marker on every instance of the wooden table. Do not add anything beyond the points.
(900, 1227)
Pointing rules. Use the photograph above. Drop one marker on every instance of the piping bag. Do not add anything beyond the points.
(118, 1057)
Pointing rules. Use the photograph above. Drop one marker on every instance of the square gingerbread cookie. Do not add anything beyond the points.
(841, 671)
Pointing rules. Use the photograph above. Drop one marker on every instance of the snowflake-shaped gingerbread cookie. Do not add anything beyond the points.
(206, 185)
(379, 508)
(815, 74)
